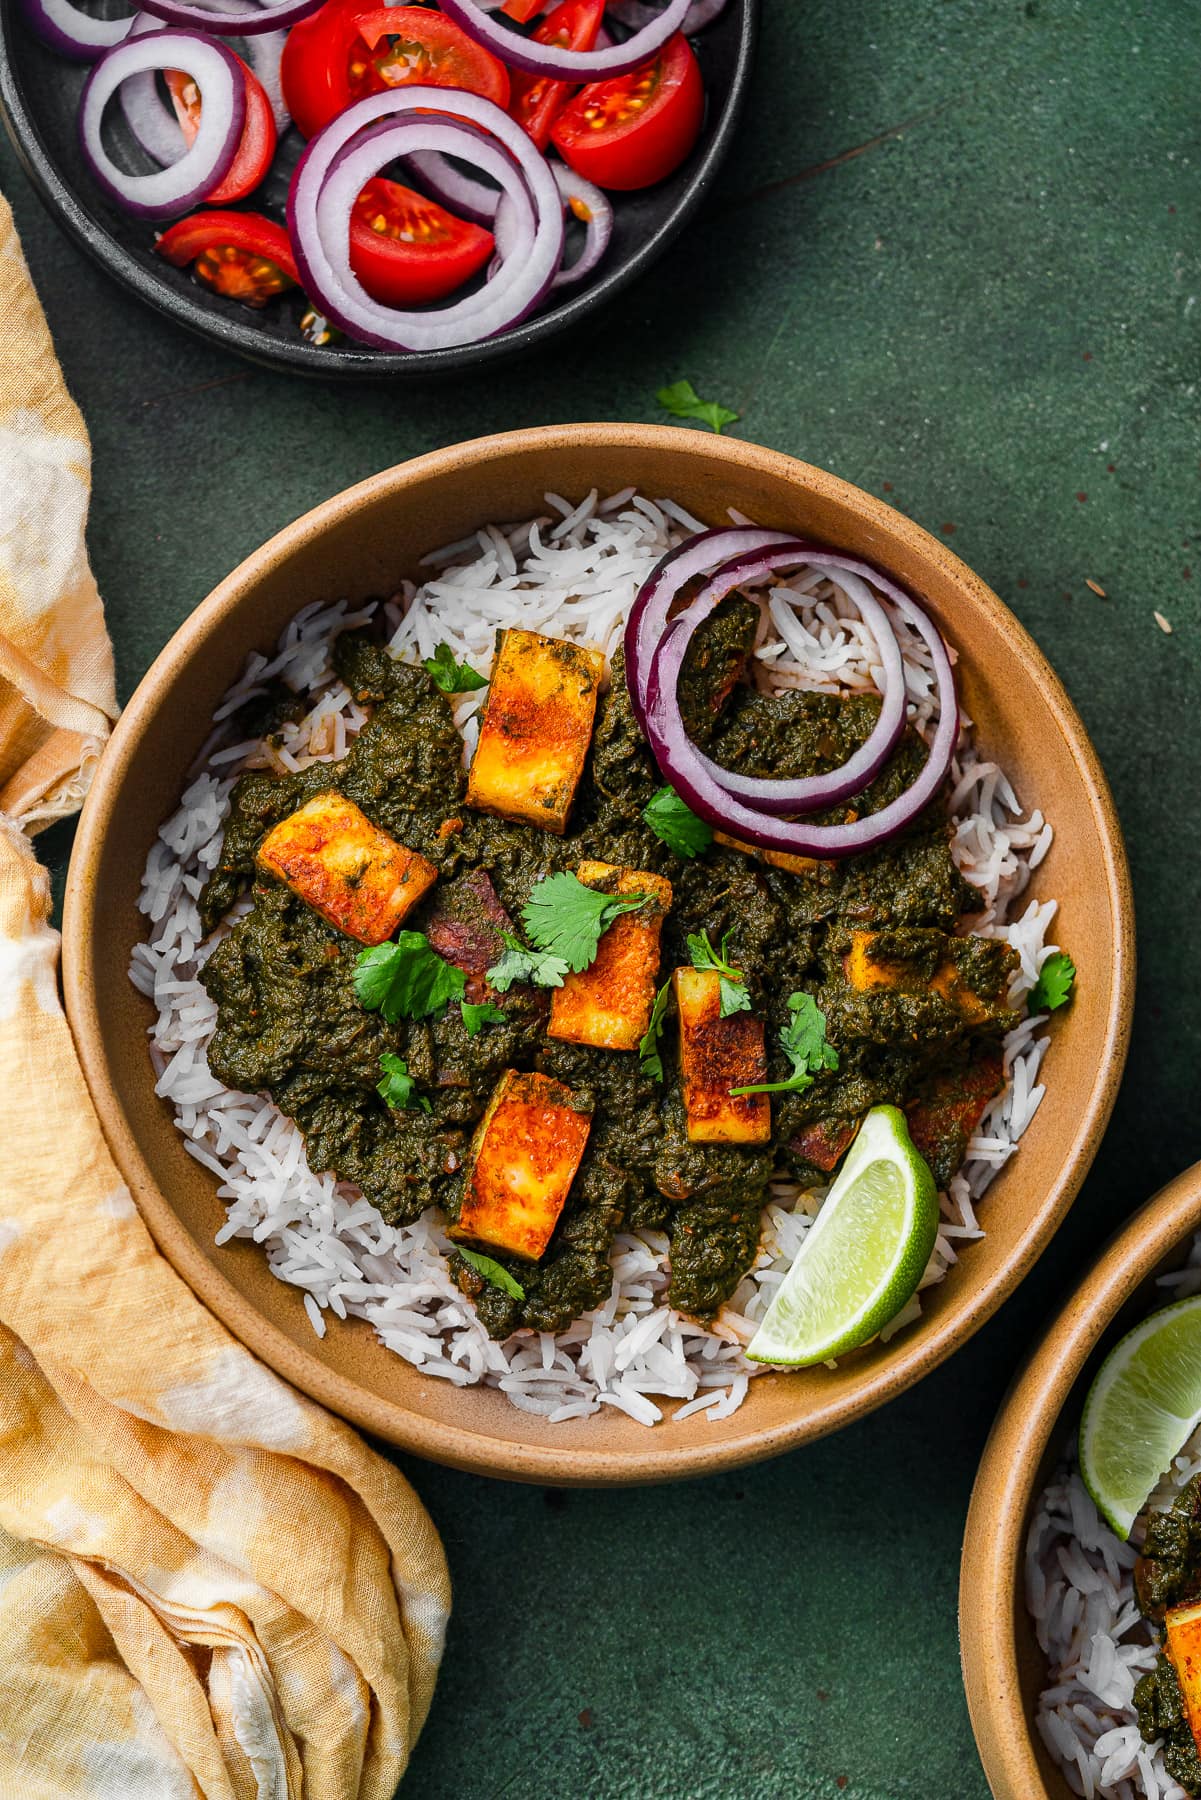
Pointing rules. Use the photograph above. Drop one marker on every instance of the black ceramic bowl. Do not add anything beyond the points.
(39, 94)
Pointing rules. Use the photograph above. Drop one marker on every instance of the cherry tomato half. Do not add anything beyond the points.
(522, 10)
(407, 250)
(633, 130)
(537, 100)
(346, 51)
(239, 254)
(257, 147)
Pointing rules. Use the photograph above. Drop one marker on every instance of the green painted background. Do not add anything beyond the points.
(955, 259)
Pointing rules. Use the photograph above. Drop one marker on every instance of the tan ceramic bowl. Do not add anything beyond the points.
(1003, 1667)
(360, 543)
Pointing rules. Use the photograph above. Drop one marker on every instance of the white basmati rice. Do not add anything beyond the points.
(573, 573)
(1080, 1594)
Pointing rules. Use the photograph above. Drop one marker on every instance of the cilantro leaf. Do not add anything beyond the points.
(449, 676)
(407, 979)
(398, 1087)
(1054, 985)
(519, 964)
(493, 1273)
(682, 399)
(675, 824)
(732, 987)
(804, 1043)
(567, 919)
(476, 1017)
(648, 1047)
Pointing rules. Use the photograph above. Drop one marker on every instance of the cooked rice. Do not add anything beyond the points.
(1080, 1594)
(573, 573)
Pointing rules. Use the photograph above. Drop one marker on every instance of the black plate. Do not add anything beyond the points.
(39, 95)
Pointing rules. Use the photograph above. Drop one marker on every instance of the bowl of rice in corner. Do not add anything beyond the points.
(552, 533)
(1052, 1637)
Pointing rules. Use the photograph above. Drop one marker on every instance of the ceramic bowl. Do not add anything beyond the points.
(1003, 1667)
(360, 543)
(39, 100)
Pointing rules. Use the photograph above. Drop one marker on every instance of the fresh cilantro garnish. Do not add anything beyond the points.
(733, 989)
(533, 967)
(493, 1273)
(568, 920)
(407, 979)
(682, 399)
(452, 677)
(398, 1087)
(675, 824)
(804, 1042)
(648, 1047)
(1054, 984)
(476, 1017)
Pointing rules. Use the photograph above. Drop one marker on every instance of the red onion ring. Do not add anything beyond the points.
(205, 164)
(81, 36)
(551, 59)
(151, 116)
(805, 793)
(343, 156)
(680, 761)
(636, 13)
(698, 555)
(598, 226)
(240, 20)
(454, 188)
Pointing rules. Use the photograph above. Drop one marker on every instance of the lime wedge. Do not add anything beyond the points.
(1143, 1406)
(863, 1256)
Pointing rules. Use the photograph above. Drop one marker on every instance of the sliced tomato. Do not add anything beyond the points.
(346, 51)
(633, 130)
(537, 101)
(407, 250)
(254, 153)
(239, 254)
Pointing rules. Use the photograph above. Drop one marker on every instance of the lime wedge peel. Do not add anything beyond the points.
(862, 1258)
(1143, 1406)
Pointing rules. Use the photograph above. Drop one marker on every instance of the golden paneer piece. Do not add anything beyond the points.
(864, 971)
(779, 859)
(1183, 1625)
(716, 1055)
(609, 1005)
(524, 1156)
(536, 729)
(353, 874)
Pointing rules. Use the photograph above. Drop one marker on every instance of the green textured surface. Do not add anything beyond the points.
(954, 259)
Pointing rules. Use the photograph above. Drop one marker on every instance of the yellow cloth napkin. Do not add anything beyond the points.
(208, 1586)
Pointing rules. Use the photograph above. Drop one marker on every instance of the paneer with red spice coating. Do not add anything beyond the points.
(345, 868)
(536, 729)
(609, 1005)
(523, 1160)
(716, 1055)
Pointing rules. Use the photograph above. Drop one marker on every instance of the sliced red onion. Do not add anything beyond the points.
(682, 765)
(205, 164)
(149, 113)
(805, 793)
(552, 59)
(454, 188)
(595, 212)
(698, 555)
(352, 148)
(636, 13)
(79, 35)
(240, 20)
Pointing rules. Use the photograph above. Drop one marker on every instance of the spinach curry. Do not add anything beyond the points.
(921, 1028)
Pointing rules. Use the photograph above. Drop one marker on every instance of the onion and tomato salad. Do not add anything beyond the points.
(447, 151)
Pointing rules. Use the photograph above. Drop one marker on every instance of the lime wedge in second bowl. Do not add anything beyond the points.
(1143, 1406)
(862, 1257)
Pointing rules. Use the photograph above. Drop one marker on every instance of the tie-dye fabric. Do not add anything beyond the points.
(208, 1586)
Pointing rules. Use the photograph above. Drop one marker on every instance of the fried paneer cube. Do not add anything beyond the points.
(970, 974)
(345, 868)
(609, 1005)
(536, 729)
(1183, 1626)
(716, 1055)
(523, 1160)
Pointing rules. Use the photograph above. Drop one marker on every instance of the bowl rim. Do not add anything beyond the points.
(76, 213)
(991, 1591)
(915, 1356)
